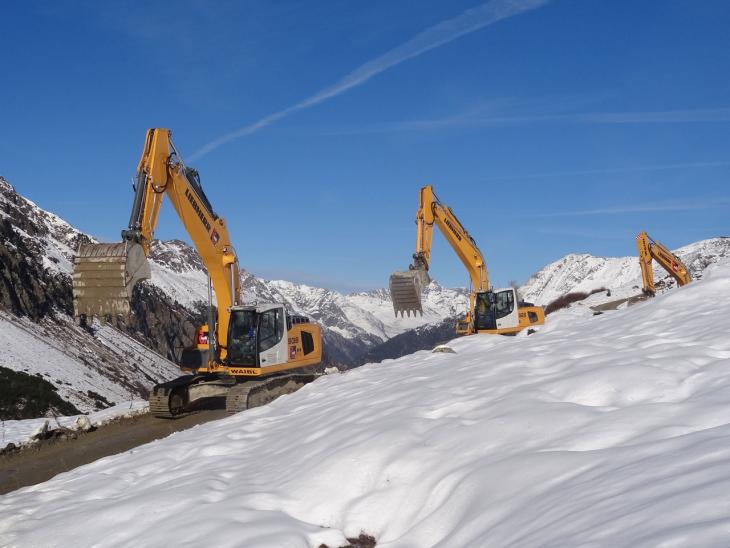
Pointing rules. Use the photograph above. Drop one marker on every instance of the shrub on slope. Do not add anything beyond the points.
(24, 396)
(569, 298)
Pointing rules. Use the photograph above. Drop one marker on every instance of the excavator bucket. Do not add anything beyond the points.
(104, 277)
(405, 291)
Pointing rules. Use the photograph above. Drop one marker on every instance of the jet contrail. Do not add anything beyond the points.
(442, 33)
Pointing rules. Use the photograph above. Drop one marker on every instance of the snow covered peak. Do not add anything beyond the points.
(178, 270)
(45, 234)
(176, 256)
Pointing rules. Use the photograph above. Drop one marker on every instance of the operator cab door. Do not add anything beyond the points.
(272, 337)
(505, 309)
(496, 310)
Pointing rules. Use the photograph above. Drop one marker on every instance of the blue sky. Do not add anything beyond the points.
(549, 127)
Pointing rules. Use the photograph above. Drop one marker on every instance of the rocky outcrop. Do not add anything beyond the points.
(26, 287)
(161, 324)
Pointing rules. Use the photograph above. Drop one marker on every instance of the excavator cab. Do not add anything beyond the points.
(265, 335)
(498, 311)
(495, 310)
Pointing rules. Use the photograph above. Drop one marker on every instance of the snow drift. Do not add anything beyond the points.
(604, 431)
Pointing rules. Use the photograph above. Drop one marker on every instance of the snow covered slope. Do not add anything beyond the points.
(597, 431)
(585, 272)
(89, 372)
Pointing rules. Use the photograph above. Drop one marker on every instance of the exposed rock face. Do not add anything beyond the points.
(162, 324)
(27, 286)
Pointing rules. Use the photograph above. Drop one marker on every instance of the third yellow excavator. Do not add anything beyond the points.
(490, 310)
(651, 249)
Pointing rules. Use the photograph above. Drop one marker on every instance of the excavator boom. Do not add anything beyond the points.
(649, 250)
(105, 274)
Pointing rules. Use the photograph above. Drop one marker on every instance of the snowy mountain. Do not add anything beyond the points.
(606, 430)
(622, 275)
(178, 270)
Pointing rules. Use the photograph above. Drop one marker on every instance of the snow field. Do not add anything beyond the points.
(610, 430)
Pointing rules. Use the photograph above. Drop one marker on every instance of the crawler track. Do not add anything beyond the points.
(249, 394)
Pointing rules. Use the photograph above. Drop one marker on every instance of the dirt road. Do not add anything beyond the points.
(42, 462)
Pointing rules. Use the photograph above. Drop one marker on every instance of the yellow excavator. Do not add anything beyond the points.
(651, 249)
(494, 311)
(249, 354)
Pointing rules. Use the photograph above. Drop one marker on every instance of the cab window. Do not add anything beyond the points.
(271, 328)
(505, 303)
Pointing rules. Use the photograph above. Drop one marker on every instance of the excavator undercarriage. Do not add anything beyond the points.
(182, 395)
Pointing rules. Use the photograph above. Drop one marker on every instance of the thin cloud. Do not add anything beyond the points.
(649, 208)
(465, 121)
(442, 33)
(658, 117)
(604, 171)
(589, 234)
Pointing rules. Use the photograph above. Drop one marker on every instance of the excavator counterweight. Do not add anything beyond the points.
(104, 277)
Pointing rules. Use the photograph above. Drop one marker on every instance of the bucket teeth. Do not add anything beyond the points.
(104, 276)
(405, 291)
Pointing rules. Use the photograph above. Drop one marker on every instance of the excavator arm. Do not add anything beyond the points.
(431, 211)
(105, 274)
(406, 287)
(651, 249)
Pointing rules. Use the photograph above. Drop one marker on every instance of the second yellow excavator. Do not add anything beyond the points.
(494, 311)
(651, 249)
(250, 351)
